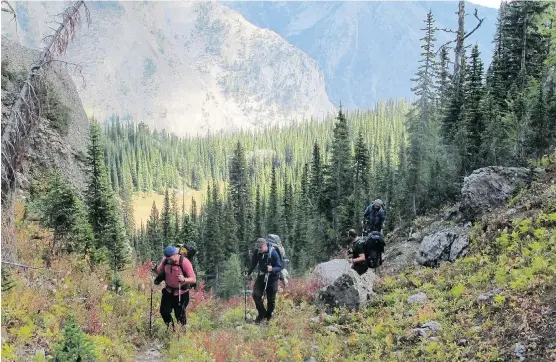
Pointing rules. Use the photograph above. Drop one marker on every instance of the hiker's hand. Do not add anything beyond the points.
(269, 268)
(181, 278)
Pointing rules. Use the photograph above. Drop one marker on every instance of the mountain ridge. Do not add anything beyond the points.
(341, 37)
(190, 68)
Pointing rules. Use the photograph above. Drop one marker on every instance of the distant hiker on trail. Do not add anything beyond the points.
(178, 275)
(357, 260)
(269, 267)
(374, 217)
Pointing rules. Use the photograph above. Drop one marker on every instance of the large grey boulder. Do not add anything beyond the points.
(490, 187)
(343, 287)
(444, 245)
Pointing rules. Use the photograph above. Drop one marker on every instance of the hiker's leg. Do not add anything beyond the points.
(166, 307)
(258, 290)
(271, 291)
(180, 312)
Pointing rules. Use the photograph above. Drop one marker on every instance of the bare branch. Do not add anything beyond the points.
(10, 10)
(29, 267)
(446, 30)
(478, 24)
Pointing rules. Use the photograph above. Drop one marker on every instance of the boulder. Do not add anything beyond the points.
(444, 245)
(490, 187)
(342, 286)
(420, 298)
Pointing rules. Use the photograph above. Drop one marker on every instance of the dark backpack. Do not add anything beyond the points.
(374, 247)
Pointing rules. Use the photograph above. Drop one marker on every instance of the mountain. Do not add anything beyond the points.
(188, 67)
(368, 50)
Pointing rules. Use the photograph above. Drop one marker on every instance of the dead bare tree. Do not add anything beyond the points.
(461, 35)
(25, 114)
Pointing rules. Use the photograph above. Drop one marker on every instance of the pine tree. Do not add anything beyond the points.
(166, 218)
(273, 215)
(175, 225)
(156, 244)
(542, 136)
(421, 118)
(239, 196)
(338, 185)
(258, 214)
(103, 213)
(316, 179)
(473, 118)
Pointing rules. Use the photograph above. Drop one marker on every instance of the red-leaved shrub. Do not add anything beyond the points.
(303, 289)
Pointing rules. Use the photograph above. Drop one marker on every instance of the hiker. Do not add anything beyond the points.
(178, 275)
(374, 216)
(267, 265)
(357, 260)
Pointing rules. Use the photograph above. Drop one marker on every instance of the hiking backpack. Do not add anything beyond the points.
(275, 242)
(374, 247)
(185, 251)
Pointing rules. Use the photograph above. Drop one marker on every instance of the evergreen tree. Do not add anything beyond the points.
(473, 118)
(421, 117)
(338, 180)
(156, 244)
(273, 215)
(239, 196)
(103, 214)
(166, 218)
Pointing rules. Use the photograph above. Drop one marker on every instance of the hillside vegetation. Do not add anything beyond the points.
(482, 307)
(79, 281)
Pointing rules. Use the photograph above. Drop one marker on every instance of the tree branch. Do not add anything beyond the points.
(478, 24)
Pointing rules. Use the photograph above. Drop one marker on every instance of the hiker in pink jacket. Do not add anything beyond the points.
(177, 279)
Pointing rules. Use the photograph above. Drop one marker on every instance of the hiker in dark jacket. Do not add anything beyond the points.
(374, 216)
(272, 267)
(357, 248)
(178, 278)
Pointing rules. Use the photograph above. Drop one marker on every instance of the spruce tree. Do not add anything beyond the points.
(338, 179)
(273, 215)
(166, 218)
(473, 118)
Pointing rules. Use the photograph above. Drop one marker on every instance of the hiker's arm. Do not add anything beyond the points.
(191, 278)
(160, 266)
(253, 263)
(276, 264)
(366, 213)
(360, 258)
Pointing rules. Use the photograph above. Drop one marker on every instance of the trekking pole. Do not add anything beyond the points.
(151, 310)
(179, 306)
(245, 295)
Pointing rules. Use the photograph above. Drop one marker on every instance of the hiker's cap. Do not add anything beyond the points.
(169, 251)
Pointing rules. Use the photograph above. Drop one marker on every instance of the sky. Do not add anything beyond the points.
(488, 3)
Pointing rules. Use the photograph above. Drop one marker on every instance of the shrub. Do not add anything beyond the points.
(75, 346)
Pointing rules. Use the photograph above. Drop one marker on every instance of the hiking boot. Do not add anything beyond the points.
(259, 319)
(268, 317)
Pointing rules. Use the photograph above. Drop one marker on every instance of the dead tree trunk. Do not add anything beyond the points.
(458, 58)
(24, 116)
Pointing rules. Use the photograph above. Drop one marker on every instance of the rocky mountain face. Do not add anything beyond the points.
(368, 50)
(188, 67)
(60, 140)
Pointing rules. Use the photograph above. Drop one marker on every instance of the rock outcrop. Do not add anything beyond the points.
(343, 287)
(490, 187)
(62, 147)
(444, 245)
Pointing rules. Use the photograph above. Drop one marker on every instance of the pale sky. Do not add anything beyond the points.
(488, 3)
